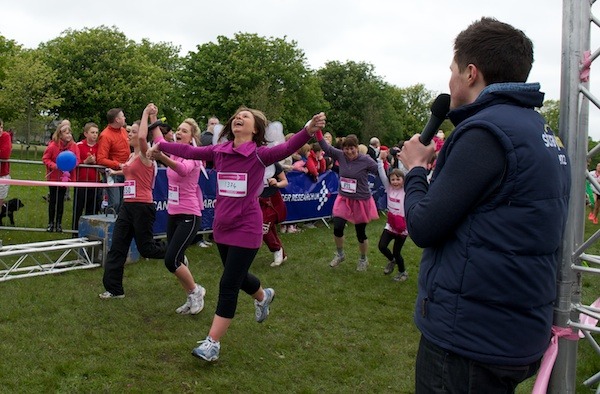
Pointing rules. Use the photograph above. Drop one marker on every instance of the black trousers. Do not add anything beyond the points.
(135, 221)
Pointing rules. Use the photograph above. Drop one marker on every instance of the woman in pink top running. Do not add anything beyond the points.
(185, 204)
(237, 228)
(136, 215)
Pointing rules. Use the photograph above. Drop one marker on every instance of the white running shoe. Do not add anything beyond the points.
(262, 307)
(208, 349)
(185, 308)
(337, 259)
(108, 295)
(362, 264)
(196, 299)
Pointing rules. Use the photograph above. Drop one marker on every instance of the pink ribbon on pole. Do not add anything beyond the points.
(543, 378)
(586, 63)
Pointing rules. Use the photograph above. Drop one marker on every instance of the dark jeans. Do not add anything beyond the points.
(115, 194)
(85, 199)
(135, 221)
(440, 371)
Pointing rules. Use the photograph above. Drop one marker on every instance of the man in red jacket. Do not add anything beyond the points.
(113, 151)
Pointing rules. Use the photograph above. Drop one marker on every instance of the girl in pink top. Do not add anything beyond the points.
(395, 227)
(240, 164)
(137, 213)
(185, 204)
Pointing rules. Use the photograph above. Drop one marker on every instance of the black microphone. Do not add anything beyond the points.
(439, 110)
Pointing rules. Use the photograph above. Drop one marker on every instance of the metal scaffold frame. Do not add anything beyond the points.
(574, 123)
(36, 258)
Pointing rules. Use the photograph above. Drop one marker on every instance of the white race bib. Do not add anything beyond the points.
(348, 185)
(232, 184)
(129, 189)
(173, 194)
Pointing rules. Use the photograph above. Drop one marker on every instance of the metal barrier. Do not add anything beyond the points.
(34, 259)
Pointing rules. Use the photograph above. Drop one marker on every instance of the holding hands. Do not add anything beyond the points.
(316, 123)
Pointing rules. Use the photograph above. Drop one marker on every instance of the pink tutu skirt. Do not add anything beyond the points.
(355, 211)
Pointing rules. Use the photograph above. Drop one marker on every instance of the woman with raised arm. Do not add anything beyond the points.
(184, 208)
(240, 164)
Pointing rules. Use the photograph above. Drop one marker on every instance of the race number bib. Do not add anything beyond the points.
(173, 194)
(129, 189)
(348, 185)
(232, 184)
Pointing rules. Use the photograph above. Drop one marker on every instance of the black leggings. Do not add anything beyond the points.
(56, 204)
(236, 263)
(338, 229)
(384, 241)
(181, 230)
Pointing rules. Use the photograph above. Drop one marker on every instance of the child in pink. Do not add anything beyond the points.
(395, 227)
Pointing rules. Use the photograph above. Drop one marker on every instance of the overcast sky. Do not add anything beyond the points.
(408, 42)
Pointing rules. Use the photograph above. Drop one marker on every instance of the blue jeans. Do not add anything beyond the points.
(115, 194)
(440, 371)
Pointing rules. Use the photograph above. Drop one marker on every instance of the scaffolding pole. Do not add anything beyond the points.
(573, 131)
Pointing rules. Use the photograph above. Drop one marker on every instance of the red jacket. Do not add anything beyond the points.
(49, 159)
(5, 149)
(113, 147)
(87, 174)
(315, 165)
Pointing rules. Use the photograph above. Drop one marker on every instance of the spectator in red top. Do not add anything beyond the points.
(315, 162)
(62, 140)
(113, 152)
(5, 150)
(87, 198)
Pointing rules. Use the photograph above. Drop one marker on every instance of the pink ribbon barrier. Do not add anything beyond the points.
(22, 182)
(543, 378)
(586, 63)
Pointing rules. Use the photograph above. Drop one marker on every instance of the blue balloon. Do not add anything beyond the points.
(66, 160)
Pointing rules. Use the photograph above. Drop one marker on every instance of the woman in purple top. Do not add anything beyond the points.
(185, 204)
(237, 228)
(354, 202)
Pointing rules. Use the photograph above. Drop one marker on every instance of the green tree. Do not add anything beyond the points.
(8, 48)
(26, 92)
(99, 68)
(267, 74)
(363, 104)
(355, 95)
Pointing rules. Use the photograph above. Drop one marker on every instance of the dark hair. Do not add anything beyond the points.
(316, 147)
(350, 141)
(501, 52)
(112, 114)
(165, 128)
(260, 125)
(396, 171)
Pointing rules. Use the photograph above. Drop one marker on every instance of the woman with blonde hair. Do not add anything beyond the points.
(184, 208)
(62, 140)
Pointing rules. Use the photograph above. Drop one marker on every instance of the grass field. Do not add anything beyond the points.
(330, 330)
